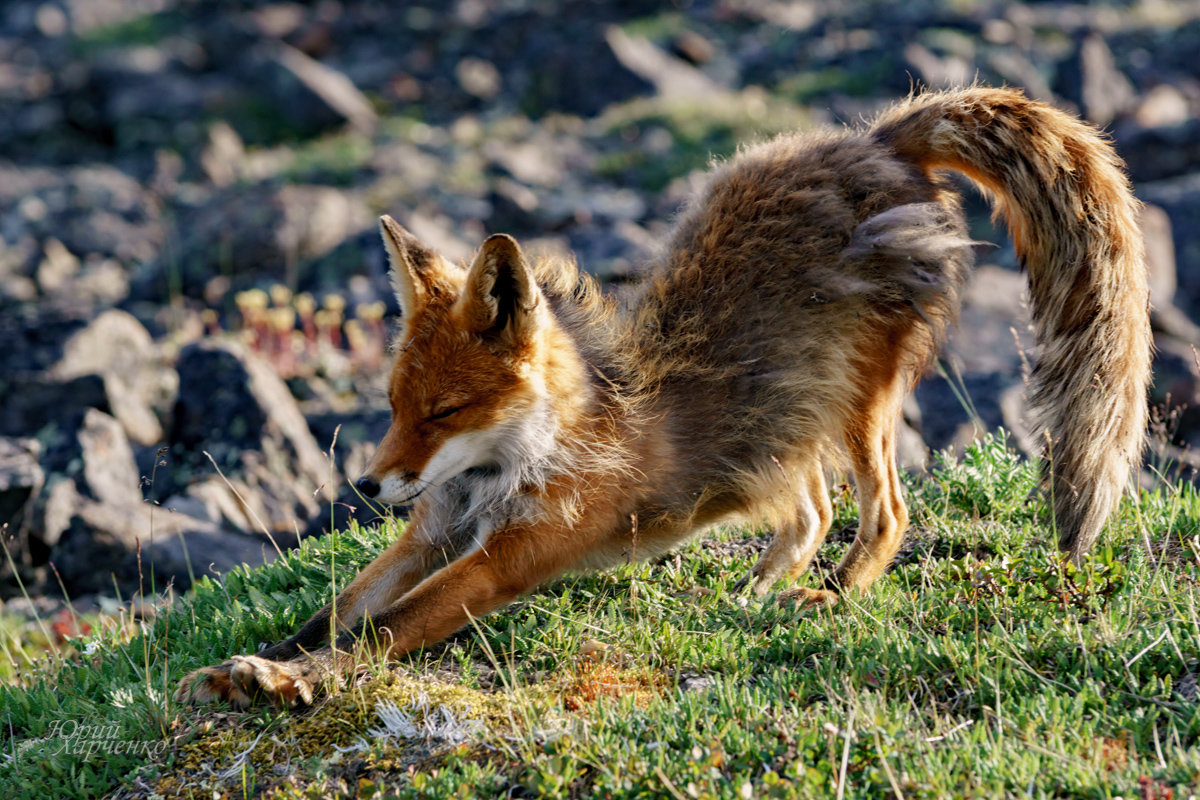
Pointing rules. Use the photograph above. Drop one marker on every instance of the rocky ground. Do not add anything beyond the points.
(193, 301)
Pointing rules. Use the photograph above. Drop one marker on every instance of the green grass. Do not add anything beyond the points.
(140, 29)
(979, 666)
(649, 142)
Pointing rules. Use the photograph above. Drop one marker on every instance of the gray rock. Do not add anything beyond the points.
(1180, 198)
(21, 479)
(258, 233)
(993, 319)
(311, 95)
(1176, 372)
(1160, 153)
(109, 473)
(105, 543)
(960, 407)
(1105, 91)
(234, 409)
(119, 349)
(671, 76)
(34, 405)
(1165, 316)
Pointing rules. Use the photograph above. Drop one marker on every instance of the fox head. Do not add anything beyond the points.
(465, 385)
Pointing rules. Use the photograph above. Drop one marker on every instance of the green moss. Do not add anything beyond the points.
(142, 29)
(335, 159)
(697, 131)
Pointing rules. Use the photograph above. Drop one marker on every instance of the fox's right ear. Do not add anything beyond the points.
(413, 264)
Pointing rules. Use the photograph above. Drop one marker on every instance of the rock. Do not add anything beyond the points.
(696, 683)
(911, 451)
(21, 479)
(1165, 316)
(1176, 372)
(993, 317)
(311, 95)
(257, 233)
(234, 408)
(1162, 106)
(1014, 410)
(957, 411)
(478, 77)
(223, 159)
(357, 437)
(692, 47)
(58, 266)
(119, 349)
(1155, 154)
(1180, 199)
(56, 368)
(938, 71)
(94, 466)
(1160, 254)
(108, 472)
(671, 76)
(36, 405)
(102, 543)
(548, 76)
(65, 224)
(1104, 90)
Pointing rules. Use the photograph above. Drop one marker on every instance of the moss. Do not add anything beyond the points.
(142, 29)
(697, 131)
(225, 750)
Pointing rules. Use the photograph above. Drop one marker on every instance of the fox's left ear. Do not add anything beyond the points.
(501, 296)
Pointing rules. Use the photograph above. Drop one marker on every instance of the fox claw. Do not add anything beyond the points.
(239, 680)
(804, 598)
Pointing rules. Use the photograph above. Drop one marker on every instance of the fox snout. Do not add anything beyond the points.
(394, 489)
(368, 486)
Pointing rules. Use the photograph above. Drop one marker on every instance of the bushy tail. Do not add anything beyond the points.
(1063, 192)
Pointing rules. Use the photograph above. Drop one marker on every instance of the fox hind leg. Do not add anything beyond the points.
(870, 438)
(797, 539)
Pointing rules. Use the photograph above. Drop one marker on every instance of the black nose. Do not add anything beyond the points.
(368, 487)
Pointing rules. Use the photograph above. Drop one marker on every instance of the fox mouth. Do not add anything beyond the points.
(392, 491)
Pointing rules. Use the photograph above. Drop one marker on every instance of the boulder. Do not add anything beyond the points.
(142, 547)
(21, 479)
(235, 414)
(254, 233)
(1180, 199)
(118, 348)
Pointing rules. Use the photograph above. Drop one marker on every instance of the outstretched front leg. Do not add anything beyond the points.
(511, 562)
(404, 564)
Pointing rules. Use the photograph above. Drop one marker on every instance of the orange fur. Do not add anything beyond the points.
(537, 427)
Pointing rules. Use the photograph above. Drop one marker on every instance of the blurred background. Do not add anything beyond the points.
(193, 300)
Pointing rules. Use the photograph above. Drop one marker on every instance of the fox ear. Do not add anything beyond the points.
(501, 297)
(413, 264)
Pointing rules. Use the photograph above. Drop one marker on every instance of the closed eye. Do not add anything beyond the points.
(444, 413)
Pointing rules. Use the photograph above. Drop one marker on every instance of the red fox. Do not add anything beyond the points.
(538, 426)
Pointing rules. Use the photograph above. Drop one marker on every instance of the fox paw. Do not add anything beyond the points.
(759, 585)
(804, 598)
(239, 680)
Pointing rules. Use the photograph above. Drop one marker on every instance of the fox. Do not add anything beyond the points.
(540, 425)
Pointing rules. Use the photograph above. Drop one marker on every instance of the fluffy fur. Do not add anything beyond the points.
(800, 296)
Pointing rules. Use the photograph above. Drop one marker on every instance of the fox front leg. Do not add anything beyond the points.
(399, 568)
(513, 562)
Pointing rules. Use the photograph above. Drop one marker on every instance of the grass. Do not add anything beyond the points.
(648, 142)
(980, 666)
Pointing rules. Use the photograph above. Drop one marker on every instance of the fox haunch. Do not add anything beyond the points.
(539, 426)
